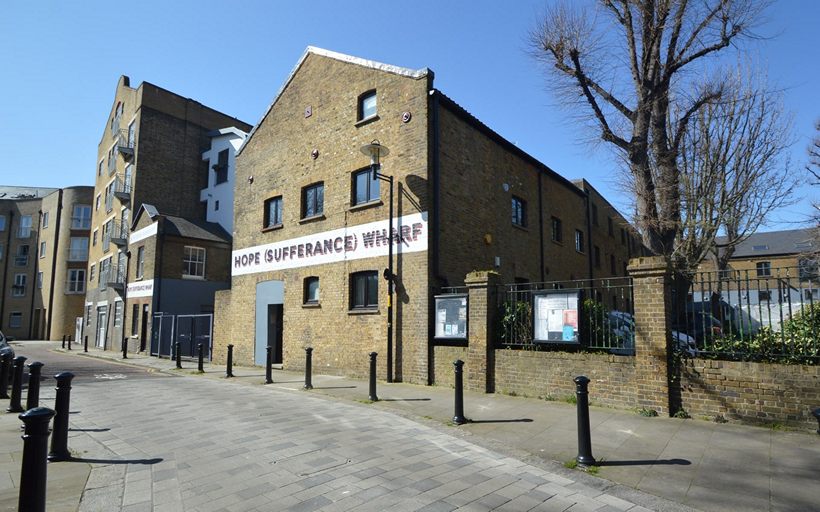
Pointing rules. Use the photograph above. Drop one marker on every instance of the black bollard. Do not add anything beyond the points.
(59, 437)
(458, 414)
(373, 397)
(85, 344)
(5, 373)
(63, 340)
(124, 347)
(33, 393)
(200, 355)
(69, 342)
(308, 367)
(178, 356)
(17, 385)
(229, 366)
(816, 414)
(584, 457)
(268, 365)
(33, 470)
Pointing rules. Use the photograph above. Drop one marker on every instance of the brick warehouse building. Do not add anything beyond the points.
(150, 153)
(43, 257)
(310, 226)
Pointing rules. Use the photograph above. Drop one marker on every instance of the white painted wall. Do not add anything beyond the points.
(221, 195)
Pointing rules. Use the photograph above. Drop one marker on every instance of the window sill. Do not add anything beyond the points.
(367, 120)
(365, 206)
(520, 227)
(314, 218)
(311, 305)
(363, 311)
(193, 278)
(272, 228)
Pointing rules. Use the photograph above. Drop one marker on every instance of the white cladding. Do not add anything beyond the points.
(219, 197)
(348, 243)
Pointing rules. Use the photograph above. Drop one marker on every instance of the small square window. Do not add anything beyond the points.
(273, 212)
(365, 187)
(311, 295)
(364, 290)
(764, 268)
(313, 200)
(519, 212)
(367, 105)
(579, 240)
(557, 230)
(193, 262)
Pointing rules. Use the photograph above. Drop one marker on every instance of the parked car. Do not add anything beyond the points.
(700, 325)
(5, 348)
(622, 325)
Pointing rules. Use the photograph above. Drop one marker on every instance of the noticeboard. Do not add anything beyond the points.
(451, 317)
(557, 316)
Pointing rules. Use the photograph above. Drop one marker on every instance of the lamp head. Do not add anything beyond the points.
(375, 151)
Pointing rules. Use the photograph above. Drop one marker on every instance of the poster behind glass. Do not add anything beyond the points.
(556, 316)
(451, 317)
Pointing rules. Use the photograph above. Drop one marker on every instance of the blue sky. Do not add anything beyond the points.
(60, 63)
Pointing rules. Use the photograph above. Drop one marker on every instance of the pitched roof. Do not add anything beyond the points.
(775, 243)
(312, 50)
(200, 230)
(19, 193)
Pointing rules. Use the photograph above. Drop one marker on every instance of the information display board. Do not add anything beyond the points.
(451, 317)
(556, 314)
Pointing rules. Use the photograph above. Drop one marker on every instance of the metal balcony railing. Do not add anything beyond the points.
(80, 222)
(125, 145)
(119, 233)
(78, 254)
(122, 187)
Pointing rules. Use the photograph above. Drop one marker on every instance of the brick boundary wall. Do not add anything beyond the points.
(762, 393)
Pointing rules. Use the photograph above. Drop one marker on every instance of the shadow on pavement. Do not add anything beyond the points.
(520, 420)
(89, 429)
(115, 461)
(405, 400)
(656, 462)
(331, 387)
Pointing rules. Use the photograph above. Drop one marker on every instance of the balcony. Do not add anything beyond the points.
(115, 280)
(81, 223)
(20, 261)
(122, 188)
(119, 234)
(78, 254)
(125, 145)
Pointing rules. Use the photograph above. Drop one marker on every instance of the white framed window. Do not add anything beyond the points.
(367, 106)
(140, 262)
(78, 249)
(365, 187)
(193, 262)
(39, 280)
(24, 230)
(81, 217)
(45, 220)
(19, 287)
(21, 259)
(311, 292)
(97, 202)
(76, 281)
(42, 249)
(117, 313)
(91, 273)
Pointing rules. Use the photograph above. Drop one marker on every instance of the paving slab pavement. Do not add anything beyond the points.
(701, 464)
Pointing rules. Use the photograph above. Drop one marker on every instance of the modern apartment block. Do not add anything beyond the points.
(44, 235)
(220, 165)
(150, 153)
(311, 222)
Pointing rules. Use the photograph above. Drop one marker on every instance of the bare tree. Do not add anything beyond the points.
(662, 46)
(734, 168)
(814, 156)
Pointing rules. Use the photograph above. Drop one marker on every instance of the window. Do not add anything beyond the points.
(273, 212)
(24, 230)
(1, 252)
(132, 134)
(623, 236)
(87, 314)
(612, 266)
(45, 220)
(367, 105)
(140, 261)
(216, 205)
(311, 295)
(39, 280)
(221, 168)
(365, 187)
(764, 295)
(117, 313)
(557, 230)
(76, 281)
(313, 200)
(78, 249)
(135, 317)
(106, 235)
(519, 212)
(764, 268)
(91, 273)
(21, 260)
(18, 289)
(97, 202)
(579, 240)
(42, 249)
(193, 262)
(94, 238)
(100, 168)
(2, 222)
(597, 252)
(15, 319)
(594, 214)
(609, 227)
(364, 290)
(105, 271)
(81, 217)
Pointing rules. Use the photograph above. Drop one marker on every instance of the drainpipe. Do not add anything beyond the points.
(36, 268)
(541, 224)
(6, 271)
(436, 179)
(54, 262)
(158, 267)
(590, 246)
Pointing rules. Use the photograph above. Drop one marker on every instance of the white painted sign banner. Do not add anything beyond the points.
(141, 289)
(348, 243)
(142, 234)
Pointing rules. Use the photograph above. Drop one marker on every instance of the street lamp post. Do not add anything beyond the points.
(375, 151)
